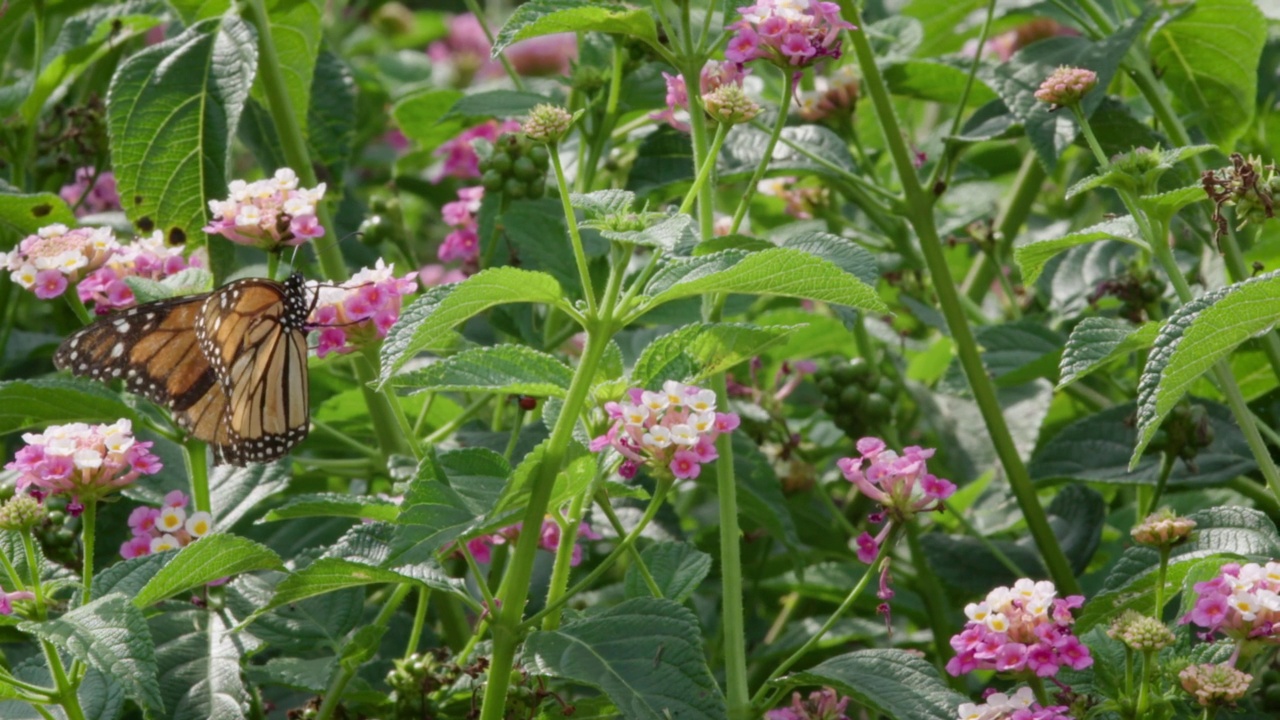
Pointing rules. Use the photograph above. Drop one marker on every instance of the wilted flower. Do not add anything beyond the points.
(824, 704)
(83, 461)
(464, 242)
(901, 484)
(1024, 628)
(1140, 632)
(1021, 705)
(481, 548)
(1163, 529)
(47, 262)
(21, 512)
(1248, 185)
(93, 196)
(168, 527)
(673, 430)
(267, 214)
(547, 123)
(1242, 602)
(789, 33)
(146, 257)
(458, 154)
(1066, 86)
(361, 309)
(1215, 684)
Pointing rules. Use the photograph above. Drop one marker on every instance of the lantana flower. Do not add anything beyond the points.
(7, 599)
(1021, 705)
(168, 527)
(672, 430)
(792, 34)
(362, 309)
(1025, 628)
(481, 548)
(268, 214)
(714, 75)
(901, 484)
(146, 257)
(90, 196)
(83, 461)
(467, 50)
(56, 256)
(463, 244)
(824, 704)
(458, 154)
(1242, 602)
(1215, 685)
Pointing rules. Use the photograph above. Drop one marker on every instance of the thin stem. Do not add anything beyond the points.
(1026, 187)
(419, 620)
(516, 427)
(708, 164)
(1166, 469)
(457, 421)
(579, 254)
(15, 580)
(197, 462)
(88, 526)
(788, 86)
(564, 558)
(481, 581)
(43, 694)
(737, 693)
(1161, 574)
(935, 602)
(33, 568)
(602, 501)
(350, 442)
(347, 670)
(474, 7)
(604, 131)
(964, 97)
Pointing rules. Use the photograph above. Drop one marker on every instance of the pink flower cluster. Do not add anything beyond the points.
(1021, 705)
(8, 598)
(267, 213)
(82, 460)
(1242, 602)
(714, 74)
(146, 257)
(45, 263)
(673, 430)
(89, 196)
(361, 309)
(168, 527)
(1024, 628)
(789, 33)
(435, 274)
(467, 49)
(458, 154)
(481, 548)
(464, 242)
(901, 484)
(824, 704)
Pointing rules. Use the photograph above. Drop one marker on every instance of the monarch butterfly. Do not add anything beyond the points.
(231, 365)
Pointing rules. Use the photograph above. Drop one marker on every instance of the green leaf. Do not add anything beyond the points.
(1017, 352)
(200, 657)
(1096, 448)
(935, 81)
(22, 215)
(795, 153)
(130, 576)
(893, 682)
(645, 654)
(760, 497)
(429, 320)
(420, 116)
(677, 568)
(327, 575)
(675, 234)
(1167, 204)
(193, 10)
(365, 557)
(602, 202)
(696, 351)
(190, 91)
(335, 505)
(82, 40)
(782, 271)
(1032, 255)
(504, 369)
(839, 251)
(663, 160)
(434, 514)
(35, 403)
(1099, 340)
(331, 125)
(1208, 58)
(296, 31)
(111, 636)
(573, 479)
(1221, 532)
(544, 17)
(1196, 336)
(209, 558)
(495, 104)
(967, 563)
(238, 490)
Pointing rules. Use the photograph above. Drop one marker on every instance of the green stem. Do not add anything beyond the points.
(603, 132)
(419, 620)
(197, 462)
(88, 527)
(67, 696)
(844, 606)
(474, 7)
(1089, 137)
(1148, 667)
(692, 74)
(737, 693)
(708, 164)
(1037, 686)
(516, 427)
(935, 604)
(457, 421)
(15, 580)
(579, 254)
(1166, 469)
(920, 215)
(945, 162)
(1026, 187)
(33, 567)
(77, 306)
(1161, 574)
(564, 558)
(602, 501)
(788, 85)
(273, 265)
(347, 670)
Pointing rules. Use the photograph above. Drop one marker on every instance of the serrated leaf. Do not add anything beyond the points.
(1194, 338)
(572, 479)
(602, 202)
(696, 351)
(430, 319)
(794, 154)
(675, 234)
(111, 636)
(433, 515)
(781, 271)
(128, 577)
(645, 654)
(209, 558)
(1098, 340)
(22, 215)
(1208, 58)
(1018, 352)
(505, 369)
(331, 125)
(496, 104)
(236, 491)
(1032, 256)
(367, 549)
(199, 657)
(545, 17)
(35, 403)
(335, 505)
(936, 81)
(841, 252)
(676, 567)
(893, 682)
(1096, 448)
(1165, 205)
(327, 575)
(189, 90)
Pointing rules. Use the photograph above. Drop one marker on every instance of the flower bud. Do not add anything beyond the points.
(1163, 529)
(1140, 632)
(1215, 684)
(728, 104)
(547, 123)
(21, 512)
(1066, 86)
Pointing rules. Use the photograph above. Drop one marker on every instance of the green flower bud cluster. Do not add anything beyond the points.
(1185, 432)
(21, 512)
(859, 398)
(1140, 632)
(517, 167)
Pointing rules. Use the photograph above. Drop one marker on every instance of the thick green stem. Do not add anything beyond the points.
(920, 215)
(579, 254)
(692, 74)
(347, 669)
(197, 461)
(564, 559)
(708, 165)
(88, 528)
(788, 86)
(77, 306)
(732, 619)
(273, 265)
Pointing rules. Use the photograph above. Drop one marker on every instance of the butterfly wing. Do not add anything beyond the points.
(252, 333)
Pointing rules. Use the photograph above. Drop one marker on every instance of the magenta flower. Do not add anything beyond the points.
(93, 196)
(824, 704)
(1242, 602)
(8, 598)
(83, 461)
(45, 263)
(263, 213)
(714, 76)
(792, 34)
(463, 244)
(146, 257)
(686, 465)
(360, 310)
(49, 284)
(1021, 705)
(168, 527)
(459, 156)
(1025, 628)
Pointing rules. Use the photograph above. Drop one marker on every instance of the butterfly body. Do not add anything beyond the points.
(230, 365)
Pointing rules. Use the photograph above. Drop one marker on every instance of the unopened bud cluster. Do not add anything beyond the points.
(21, 512)
(730, 105)
(1066, 86)
(547, 123)
(1163, 529)
(1140, 632)
(1214, 685)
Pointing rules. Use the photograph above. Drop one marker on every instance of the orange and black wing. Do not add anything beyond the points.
(253, 334)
